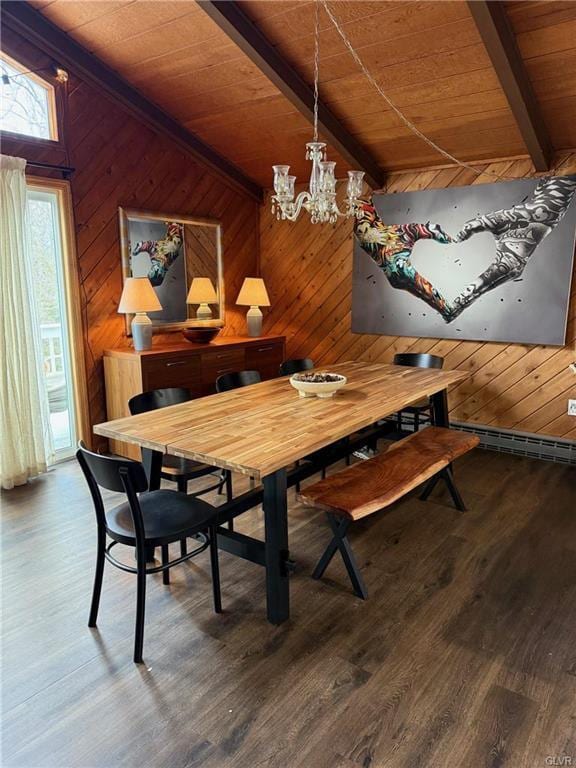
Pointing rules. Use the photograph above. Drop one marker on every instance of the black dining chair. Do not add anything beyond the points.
(237, 379)
(288, 367)
(147, 519)
(423, 408)
(174, 468)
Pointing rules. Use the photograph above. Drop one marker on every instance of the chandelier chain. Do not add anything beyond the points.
(316, 67)
(409, 124)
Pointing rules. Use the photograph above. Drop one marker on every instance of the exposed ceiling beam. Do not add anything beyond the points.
(22, 18)
(241, 30)
(500, 43)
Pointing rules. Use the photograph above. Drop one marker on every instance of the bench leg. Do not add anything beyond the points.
(340, 542)
(448, 477)
(454, 492)
(429, 487)
(325, 560)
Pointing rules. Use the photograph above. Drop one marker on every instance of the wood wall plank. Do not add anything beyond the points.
(308, 272)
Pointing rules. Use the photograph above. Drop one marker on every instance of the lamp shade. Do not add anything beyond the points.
(201, 292)
(138, 296)
(253, 293)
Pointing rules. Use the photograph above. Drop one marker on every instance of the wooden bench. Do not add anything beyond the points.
(364, 488)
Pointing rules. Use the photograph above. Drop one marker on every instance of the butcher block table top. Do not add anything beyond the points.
(260, 429)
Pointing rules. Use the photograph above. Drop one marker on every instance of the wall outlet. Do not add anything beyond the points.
(571, 407)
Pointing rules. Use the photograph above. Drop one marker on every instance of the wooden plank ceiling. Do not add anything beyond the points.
(427, 55)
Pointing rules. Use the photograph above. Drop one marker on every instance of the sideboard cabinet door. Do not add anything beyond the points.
(265, 358)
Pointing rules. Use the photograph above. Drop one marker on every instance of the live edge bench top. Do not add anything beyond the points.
(371, 485)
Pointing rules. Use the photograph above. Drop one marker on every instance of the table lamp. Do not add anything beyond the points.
(253, 294)
(139, 297)
(202, 293)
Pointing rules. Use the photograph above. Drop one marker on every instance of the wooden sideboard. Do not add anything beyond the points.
(195, 366)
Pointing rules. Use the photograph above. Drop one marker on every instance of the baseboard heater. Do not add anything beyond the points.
(522, 443)
(507, 441)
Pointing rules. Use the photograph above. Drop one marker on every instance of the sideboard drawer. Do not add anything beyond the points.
(265, 358)
(216, 363)
(172, 371)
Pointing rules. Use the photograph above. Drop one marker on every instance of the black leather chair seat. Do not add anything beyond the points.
(168, 516)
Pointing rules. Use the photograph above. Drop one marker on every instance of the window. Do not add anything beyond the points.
(27, 103)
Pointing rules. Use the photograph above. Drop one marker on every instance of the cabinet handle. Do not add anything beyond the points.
(224, 354)
(178, 362)
(264, 349)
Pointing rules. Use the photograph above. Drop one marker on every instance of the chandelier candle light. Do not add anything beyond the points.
(320, 199)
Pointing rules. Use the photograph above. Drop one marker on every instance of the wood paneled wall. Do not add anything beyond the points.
(119, 162)
(308, 272)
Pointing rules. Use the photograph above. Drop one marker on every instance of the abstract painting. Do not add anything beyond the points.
(487, 262)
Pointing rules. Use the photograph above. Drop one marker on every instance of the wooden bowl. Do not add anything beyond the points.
(200, 334)
(317, 383)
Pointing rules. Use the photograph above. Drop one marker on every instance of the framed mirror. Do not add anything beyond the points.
(173, 251)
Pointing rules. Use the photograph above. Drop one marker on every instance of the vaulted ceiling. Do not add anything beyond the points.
(428, 56)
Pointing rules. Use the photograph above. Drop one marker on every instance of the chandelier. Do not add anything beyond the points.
(320, 197)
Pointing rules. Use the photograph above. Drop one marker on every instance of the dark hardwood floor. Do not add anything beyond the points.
(464, 655)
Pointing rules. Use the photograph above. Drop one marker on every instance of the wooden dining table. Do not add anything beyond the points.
(265, 429)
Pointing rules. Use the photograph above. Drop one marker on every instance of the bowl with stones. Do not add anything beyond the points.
(317, 383)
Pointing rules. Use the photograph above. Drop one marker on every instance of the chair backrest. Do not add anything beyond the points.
(158, 398)
(114, 473)
(111, 472)
(418, 360)
(229, 381)
(288, 367)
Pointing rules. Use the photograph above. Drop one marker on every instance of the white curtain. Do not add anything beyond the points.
(25, 438)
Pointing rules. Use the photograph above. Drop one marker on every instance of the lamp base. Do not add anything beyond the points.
(203, 312)
(141, 332)
(254, 321)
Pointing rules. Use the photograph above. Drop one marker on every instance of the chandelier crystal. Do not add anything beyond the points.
(320, 198)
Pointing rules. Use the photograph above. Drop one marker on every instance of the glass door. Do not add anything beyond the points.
(49, 289)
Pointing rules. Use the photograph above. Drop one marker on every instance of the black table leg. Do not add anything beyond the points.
(276, 524)
(152, 462)
(439, 402)
(440, 418)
